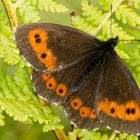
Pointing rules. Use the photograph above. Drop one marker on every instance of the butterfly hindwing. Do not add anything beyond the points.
(83, 102)
(85, 97)
(118, 97)
(50, 47)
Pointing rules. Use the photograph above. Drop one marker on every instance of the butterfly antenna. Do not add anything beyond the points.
(131, 40)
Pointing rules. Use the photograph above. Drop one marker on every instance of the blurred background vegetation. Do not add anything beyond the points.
(23, 116)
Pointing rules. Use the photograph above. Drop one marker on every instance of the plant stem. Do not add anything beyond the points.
(108, 16)
(60, 134)
(11, 12)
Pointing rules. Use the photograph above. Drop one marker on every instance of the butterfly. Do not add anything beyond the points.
(82, 73)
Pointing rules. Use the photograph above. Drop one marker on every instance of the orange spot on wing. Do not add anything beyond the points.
(92, 114)
(132, 111)
(121, 111)
(85, 111)
(61, 90)
(112, 108)
(45, 77)
(38, 41)
(34, 36)
(40, 47)
(76, 103)
(129, 111)
(51, 84)
(104, 105)
(49, 60)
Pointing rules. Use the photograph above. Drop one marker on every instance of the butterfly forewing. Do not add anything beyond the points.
(51, 47)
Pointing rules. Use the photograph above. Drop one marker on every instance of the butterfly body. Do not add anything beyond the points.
(82, 73)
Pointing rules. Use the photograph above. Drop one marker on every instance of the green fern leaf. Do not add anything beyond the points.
(89, 21)
(8, 50)
(80, 23)
(106, 4)
(51, 5)
(126, 14)
(22, 104)
(30, 15)
(117, 31)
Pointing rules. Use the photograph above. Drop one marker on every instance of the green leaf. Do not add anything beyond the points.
(51, 5)
(8, 50)
(126, 14)
(21, 103)
(28, 13)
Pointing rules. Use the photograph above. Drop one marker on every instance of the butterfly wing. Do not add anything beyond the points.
(56, 88)
(118, 97)
(51, 47)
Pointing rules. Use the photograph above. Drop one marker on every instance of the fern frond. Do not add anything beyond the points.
(98, 135)
(4, 26)
(51, 5)
(134, 60)
(80, 23)
(22, 104)
(117, 31)
(91, 12)
(28, 13)
(89, 22)
(127, 15)
(8, 50)
(106, 4)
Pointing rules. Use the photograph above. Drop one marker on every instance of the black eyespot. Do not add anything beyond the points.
(83, 112)
(128, 111)
(93, 113)
(133, 111)
(43, 55)
(36, 35)
(38, 40)
(50, 84)
(112, 110)
(75, 104)
(60, 90)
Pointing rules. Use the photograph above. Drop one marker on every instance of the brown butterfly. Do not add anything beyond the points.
(82, 73)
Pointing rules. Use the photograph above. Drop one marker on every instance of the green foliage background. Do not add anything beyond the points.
(22, 114)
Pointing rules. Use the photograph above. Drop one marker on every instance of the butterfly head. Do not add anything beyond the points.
(112, 42)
